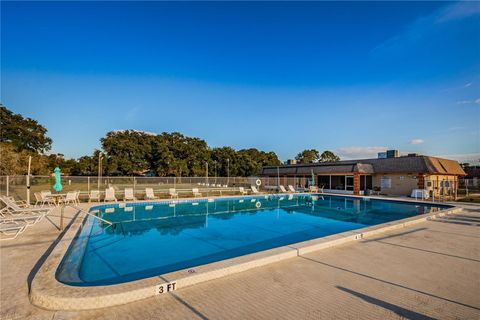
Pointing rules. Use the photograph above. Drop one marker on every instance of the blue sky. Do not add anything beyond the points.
(352, 77)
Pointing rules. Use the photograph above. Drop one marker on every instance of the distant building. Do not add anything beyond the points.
(393, 175)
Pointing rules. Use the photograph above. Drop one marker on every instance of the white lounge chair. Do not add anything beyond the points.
(20, 203)
(110, 195)
(30, 218)
(94, 196)
(242, 191)
(282, 189)
(173, 193)
(9, 230)
(196, 193)
(254, 190)
(12, 209)
(129, 196)
(291, 188)
(149, 194)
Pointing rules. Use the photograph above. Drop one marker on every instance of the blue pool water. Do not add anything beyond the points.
(153, 239)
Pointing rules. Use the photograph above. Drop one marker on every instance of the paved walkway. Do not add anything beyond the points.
(428, 271)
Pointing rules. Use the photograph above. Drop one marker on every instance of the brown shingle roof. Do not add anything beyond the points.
(417, 164)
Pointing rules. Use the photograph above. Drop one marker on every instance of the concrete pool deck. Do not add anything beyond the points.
(428, 270)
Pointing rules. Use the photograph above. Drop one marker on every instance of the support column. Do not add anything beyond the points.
(421, 181)
(356, 184)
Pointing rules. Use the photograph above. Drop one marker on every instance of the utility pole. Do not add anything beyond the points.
(99, 168)
(206, 172)
(228, 170)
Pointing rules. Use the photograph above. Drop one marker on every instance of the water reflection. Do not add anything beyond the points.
(173, 218)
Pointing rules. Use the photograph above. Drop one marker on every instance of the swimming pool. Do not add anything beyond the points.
(150, 239)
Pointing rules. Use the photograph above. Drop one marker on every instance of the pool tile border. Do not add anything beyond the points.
(48, 293)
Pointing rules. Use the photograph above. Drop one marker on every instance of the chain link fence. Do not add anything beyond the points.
(16, 186)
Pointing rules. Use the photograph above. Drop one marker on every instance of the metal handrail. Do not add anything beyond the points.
(82, 210)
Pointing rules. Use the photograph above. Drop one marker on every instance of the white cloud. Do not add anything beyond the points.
(458, 10)
(477, 101)
(359, 152)
(468, 85)
(416, 141)
(424, 26)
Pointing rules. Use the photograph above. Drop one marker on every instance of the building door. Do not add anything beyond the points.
(349, 183)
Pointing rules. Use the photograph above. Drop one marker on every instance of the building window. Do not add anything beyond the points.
(338, 183)
(366, 183)
(324, 181)
(385, 182)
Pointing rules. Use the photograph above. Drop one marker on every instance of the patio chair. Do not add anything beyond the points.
(42, 200)
(242, 191)
(129, 196)
(94, 195)
(291, 189)
(196, 193)
(70, 198)
(110, 195)
(149, 194)
(254, 190)
(173, 193)
(282, 189)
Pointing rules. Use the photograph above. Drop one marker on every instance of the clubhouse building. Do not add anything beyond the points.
(390, 174)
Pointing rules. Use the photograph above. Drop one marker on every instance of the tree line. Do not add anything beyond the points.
(132, 152)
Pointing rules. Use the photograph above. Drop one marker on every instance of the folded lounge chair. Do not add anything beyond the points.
(282, 189)
(242, 190)
(109, 195)
(254, 190)
(291, 188)
(149, 194)
(196, 193)
(173, 193)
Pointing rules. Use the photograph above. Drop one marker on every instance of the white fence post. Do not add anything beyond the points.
(8, 186)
